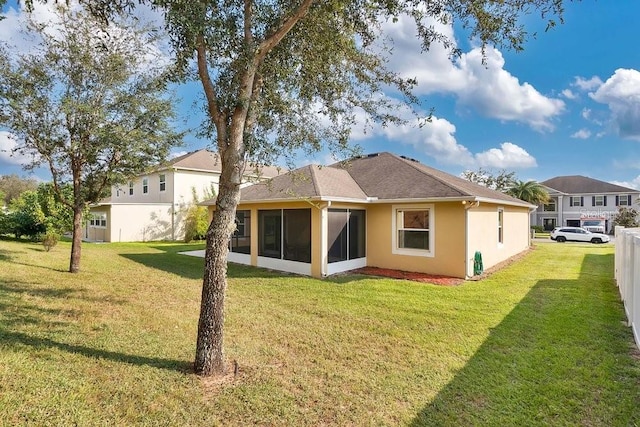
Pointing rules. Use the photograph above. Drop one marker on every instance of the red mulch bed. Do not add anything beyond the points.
(407, 275)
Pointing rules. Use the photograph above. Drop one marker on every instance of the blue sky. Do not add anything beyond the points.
(569, 104)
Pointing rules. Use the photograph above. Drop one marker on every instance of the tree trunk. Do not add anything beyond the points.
(209, 349)
(76, 244)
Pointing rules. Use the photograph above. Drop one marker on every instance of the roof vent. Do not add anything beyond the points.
(373, 155)
(410, 159)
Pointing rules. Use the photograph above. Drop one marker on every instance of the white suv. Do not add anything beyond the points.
(563, 234)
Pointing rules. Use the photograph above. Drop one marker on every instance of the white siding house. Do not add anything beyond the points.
(579, 201)
(153, 205)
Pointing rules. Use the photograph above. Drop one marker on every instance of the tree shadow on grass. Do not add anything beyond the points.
(12, 338)
(192, 267)
(561, 356)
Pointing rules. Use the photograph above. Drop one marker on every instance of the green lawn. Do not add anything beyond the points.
(542, 342)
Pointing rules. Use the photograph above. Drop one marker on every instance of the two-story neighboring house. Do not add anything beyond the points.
(579, 201)
(153, 206)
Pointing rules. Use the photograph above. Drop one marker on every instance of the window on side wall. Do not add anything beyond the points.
(163, 182)
(413, 231)
(145, 185)
(500, 225)
(624, 200)
(131, 188)
(98, 220)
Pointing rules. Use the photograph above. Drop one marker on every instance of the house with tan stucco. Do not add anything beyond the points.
(153, 205)
(378, 210)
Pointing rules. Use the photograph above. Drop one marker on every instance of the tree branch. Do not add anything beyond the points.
(207, 84)
(272, 40)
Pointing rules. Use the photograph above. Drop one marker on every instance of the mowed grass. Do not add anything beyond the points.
(542, 342)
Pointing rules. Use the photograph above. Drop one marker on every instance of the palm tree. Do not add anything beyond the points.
(529, 191)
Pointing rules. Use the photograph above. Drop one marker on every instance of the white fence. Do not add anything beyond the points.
(627, 274)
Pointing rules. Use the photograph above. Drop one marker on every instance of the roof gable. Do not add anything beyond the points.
(308, 182)
(578, 184)
(209, 161)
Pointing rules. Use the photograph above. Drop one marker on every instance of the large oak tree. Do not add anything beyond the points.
(89, 103)
(274, 72)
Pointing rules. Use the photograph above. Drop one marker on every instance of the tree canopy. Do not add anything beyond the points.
(500, 181)
(90, 104)
(12, 186)
(529, 191)
(288, 75)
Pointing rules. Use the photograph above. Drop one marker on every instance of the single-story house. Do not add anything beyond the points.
(379, 210)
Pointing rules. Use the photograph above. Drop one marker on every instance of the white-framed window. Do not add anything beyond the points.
(131, 188)
(500, 225)
(550, 207)
(623, 200)
(98, 220)
(118, 191)
(576, 201)
(413, 230)
(145, 185)
(163, 182)
(599, 201)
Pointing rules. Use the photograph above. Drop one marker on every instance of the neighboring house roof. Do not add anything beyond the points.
(208, 161)
(577, 184)
(375, 177)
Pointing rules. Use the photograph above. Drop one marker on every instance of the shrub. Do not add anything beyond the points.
(49, 241)
(537, 228)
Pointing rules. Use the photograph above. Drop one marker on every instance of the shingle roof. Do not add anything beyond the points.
(381, 176)
(308, 182)
(577, 184)
(205, 160)
(387, 176)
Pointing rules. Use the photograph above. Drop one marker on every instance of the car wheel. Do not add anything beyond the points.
(596, 240)
(561, 239)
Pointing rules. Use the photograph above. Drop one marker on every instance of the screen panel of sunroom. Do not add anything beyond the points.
(346, 234)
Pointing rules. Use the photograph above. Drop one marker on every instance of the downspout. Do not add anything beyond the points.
(467, 258)
(466, 242)
(468, 205)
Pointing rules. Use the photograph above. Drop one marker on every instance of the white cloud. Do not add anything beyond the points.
(494, 92)
(508, 156)
(582, 134)
(486, 87)
(568, 93)
(435, 138)
(433, 69)
(587, 84)
(621, 93)
(586, 113)
(176, 154)
(7, 155)
(634, 183)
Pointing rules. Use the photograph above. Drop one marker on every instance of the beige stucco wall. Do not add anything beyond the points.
(184, 181)
(136, 223)
(448, 249)
(483, 233)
